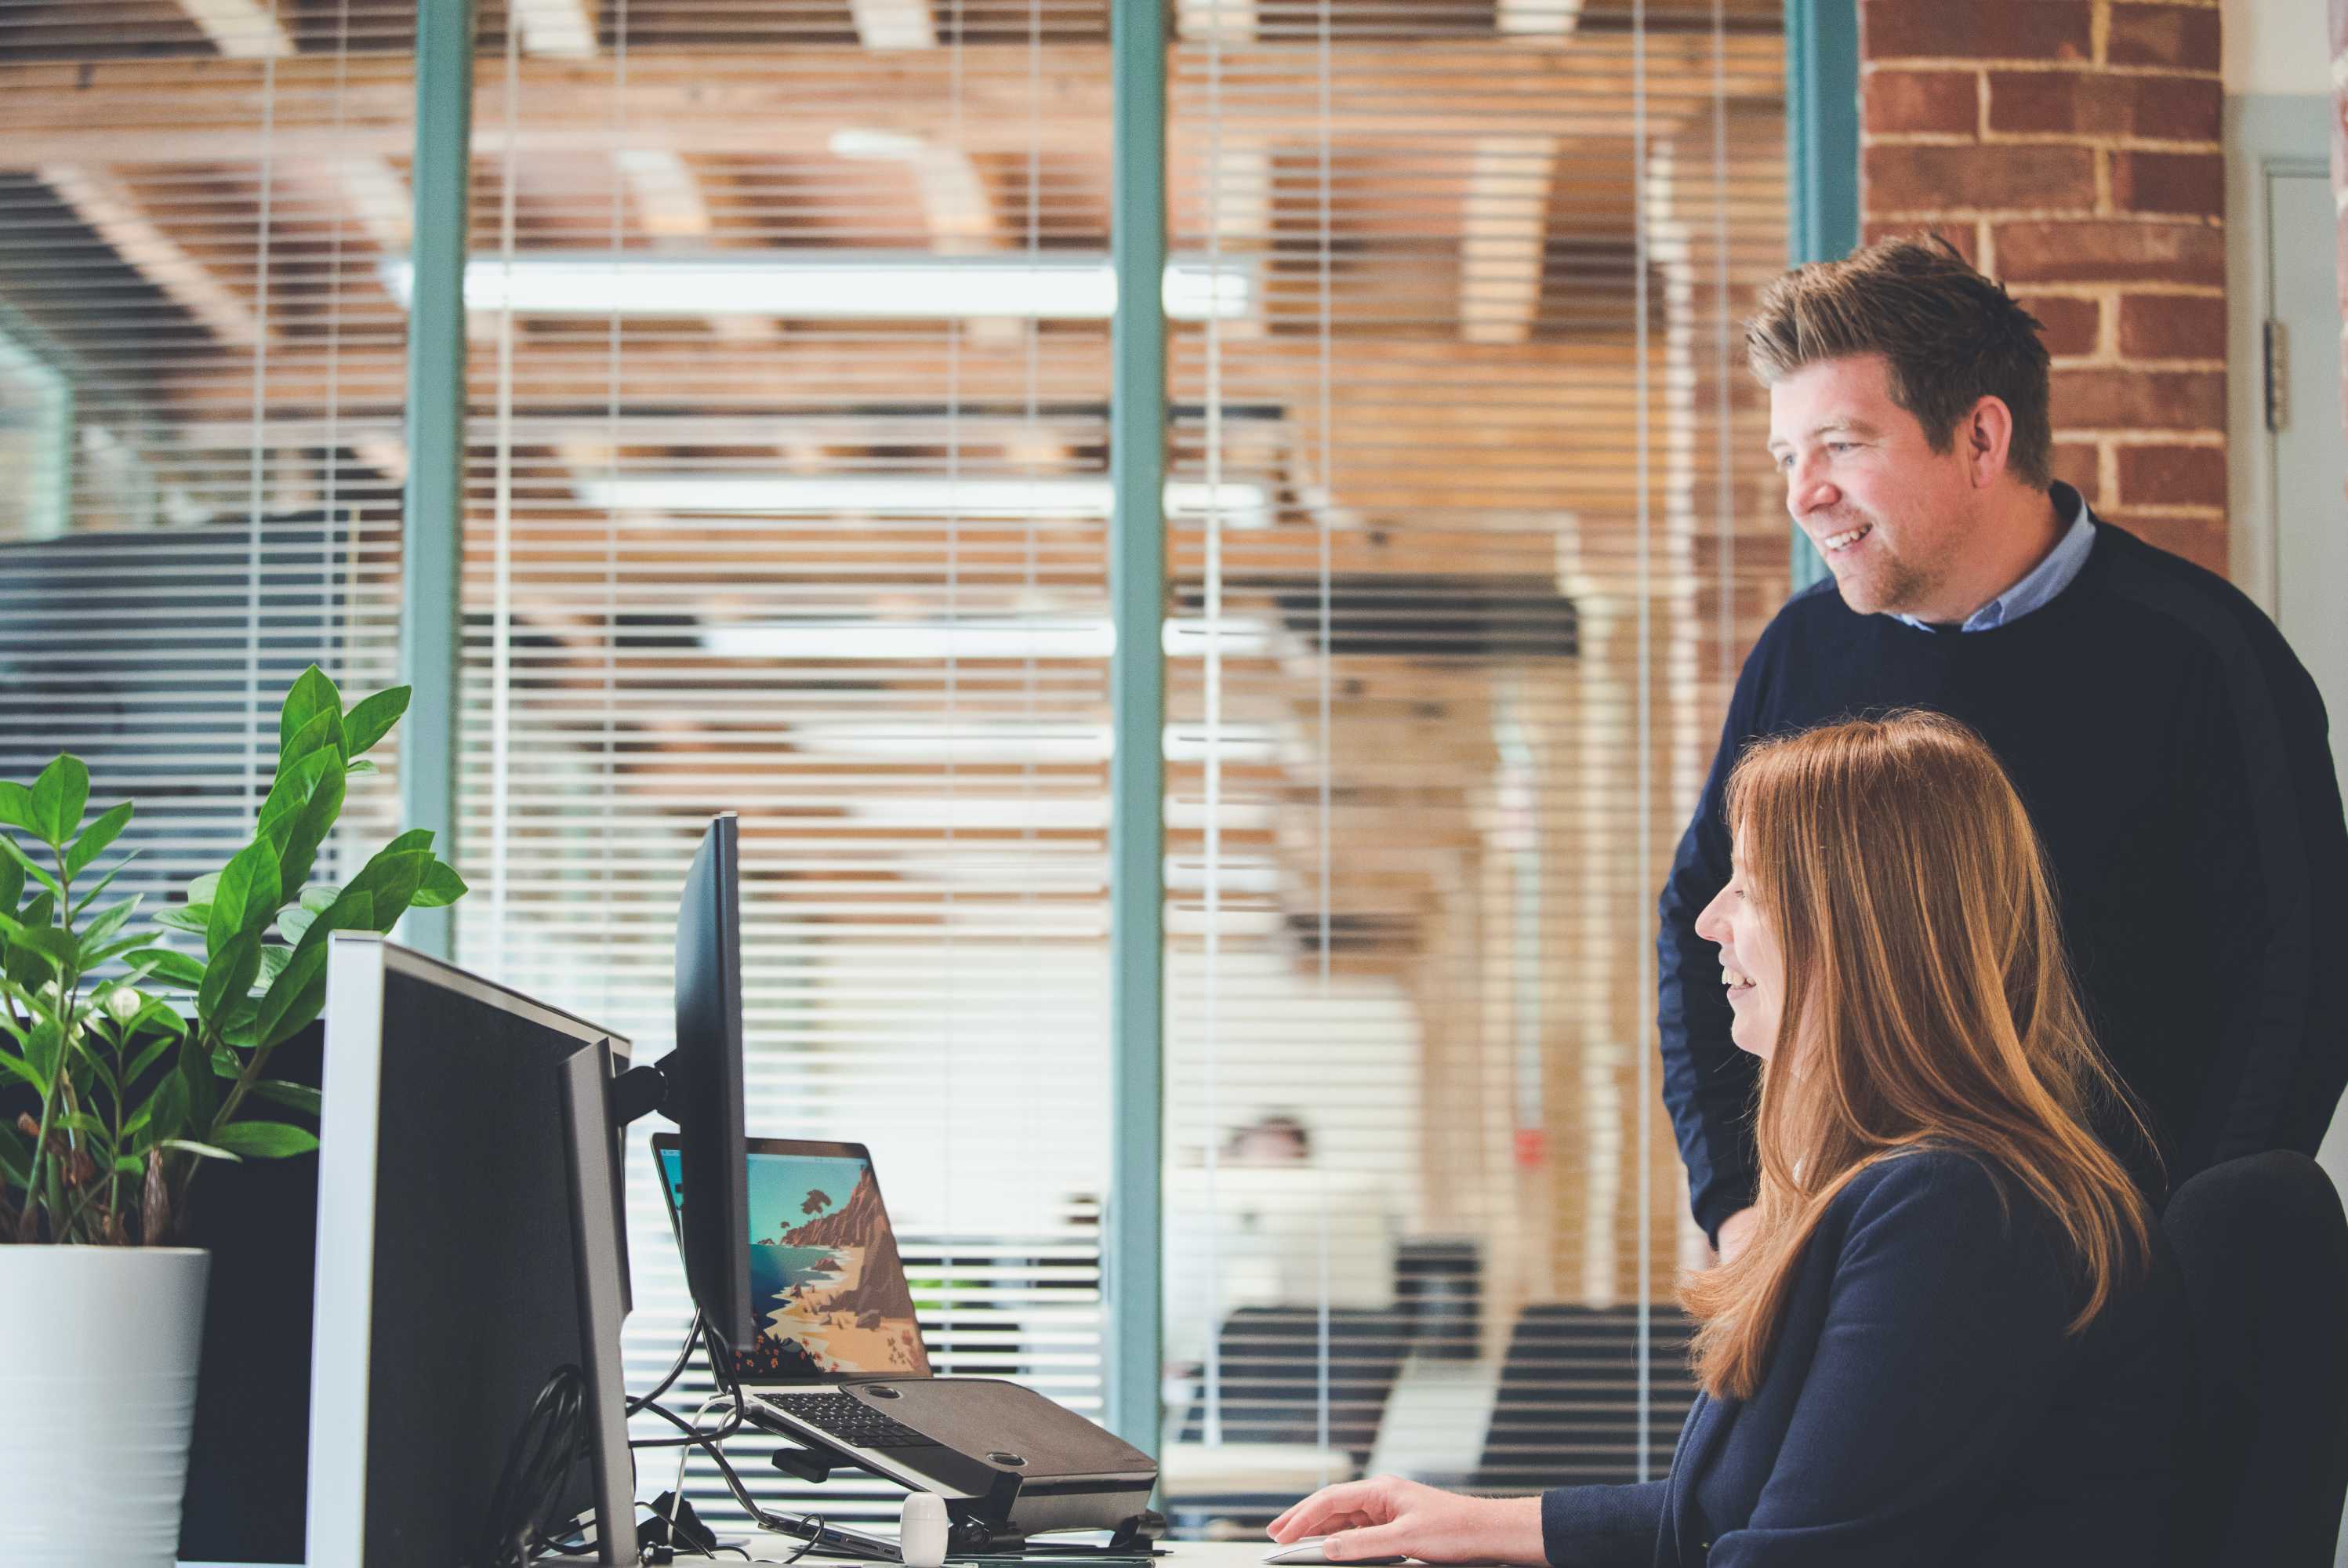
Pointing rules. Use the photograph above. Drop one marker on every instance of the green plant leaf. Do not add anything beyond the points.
(265, 1139)
(372, 720)
(440, 886)
(95, 838)
(391, 877)
(193, 917)
(169, 964)
(83, 1122)
(17, 808)
(166, 1107)
(296, 995)
(103, 925)
(12, 884)
(310, 695)
(294, 922)
(89, 894)
(240, 1030)
(59, 795)
(91, 957)
(128, 1164)
(53, 943)
(20, 965)
(353, 769)
(305, 832)
(43, 1046)
(15, 851)
(160, 1014)
(273, 961)
(296, 780)
(229, 974)
(202, 1151)
(95, 1065)
(247, 896)
(196, 1072)
(201, 889)
(16, 1156)
(414, 838)
(147, 1058)
(293, 1096)
(18, 1066)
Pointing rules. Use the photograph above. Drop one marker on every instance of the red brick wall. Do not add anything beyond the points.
(2070, 148)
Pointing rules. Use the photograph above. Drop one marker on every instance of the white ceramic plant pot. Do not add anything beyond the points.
(96, 1391)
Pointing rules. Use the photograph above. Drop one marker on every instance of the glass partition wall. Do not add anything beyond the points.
(1440, 705)
(787, 494)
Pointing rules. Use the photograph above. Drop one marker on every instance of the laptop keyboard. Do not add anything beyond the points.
(849, 1418)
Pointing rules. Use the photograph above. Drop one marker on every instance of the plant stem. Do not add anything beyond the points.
(57, 1079)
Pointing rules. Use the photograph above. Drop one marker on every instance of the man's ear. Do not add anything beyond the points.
(1986, 436)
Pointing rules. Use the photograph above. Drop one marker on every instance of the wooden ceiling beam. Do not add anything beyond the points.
(113, 212)
(1504, 237)
(886, 25)
(555, 29)
(1400, 95)
(671, 207)
(242, 29)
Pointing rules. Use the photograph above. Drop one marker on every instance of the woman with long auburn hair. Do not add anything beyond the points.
(1951, 1336)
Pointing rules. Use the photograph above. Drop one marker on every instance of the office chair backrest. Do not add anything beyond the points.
(1271, 1375)
(2264, 1248)
(1568, 1412)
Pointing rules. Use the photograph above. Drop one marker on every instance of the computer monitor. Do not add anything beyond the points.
(704, 1099)
(698, 1085)
(468, 1247)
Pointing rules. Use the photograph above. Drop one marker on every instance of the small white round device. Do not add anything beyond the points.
(922, 1531)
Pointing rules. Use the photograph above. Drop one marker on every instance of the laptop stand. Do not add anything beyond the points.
(991, 1524)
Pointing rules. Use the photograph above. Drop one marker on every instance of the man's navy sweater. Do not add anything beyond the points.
(2172, 754)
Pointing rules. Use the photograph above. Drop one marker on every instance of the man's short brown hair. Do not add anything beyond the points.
(1951, 335)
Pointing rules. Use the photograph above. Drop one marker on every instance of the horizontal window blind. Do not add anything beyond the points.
(1447, 700)
(782, 497)
(200, 392)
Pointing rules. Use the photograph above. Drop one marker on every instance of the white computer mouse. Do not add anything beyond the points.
(1307, 1549)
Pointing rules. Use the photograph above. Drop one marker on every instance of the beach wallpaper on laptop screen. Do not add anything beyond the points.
(825, 1274)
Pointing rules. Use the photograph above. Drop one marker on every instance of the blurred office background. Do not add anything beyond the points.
(785, 490)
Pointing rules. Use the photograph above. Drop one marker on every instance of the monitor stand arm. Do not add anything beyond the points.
(638, 1092)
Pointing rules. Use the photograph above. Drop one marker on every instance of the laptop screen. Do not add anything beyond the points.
(826, 1284)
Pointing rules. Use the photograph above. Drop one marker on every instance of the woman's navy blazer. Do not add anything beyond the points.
(1923, 1405)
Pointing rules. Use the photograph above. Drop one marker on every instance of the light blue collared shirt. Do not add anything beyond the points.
(2043, 581)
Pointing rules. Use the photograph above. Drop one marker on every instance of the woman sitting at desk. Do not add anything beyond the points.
(1953, 1338)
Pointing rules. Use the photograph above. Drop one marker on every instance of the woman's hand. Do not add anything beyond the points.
(1390, 1516)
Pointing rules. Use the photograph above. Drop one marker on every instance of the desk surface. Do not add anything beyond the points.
(1184, 1554)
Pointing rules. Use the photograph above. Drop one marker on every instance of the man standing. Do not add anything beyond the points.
(2169, 748)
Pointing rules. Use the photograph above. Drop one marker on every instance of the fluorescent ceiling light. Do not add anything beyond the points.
(930, 642)
(898, 495)
(813, 285)
(971, 812)
(1228, 743)
(1193, 637)
(971, 741)
(1019, 740)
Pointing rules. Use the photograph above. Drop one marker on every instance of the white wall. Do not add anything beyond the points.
(2276, 46)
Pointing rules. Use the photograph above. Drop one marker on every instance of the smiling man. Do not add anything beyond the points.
(2170, 748)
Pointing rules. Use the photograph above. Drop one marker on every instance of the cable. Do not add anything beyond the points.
(676, 1367)
(809, 1528)
(551, 1439)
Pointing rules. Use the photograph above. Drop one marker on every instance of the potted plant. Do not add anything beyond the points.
(132, 1059)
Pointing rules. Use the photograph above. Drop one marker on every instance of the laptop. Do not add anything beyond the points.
(828, 1288)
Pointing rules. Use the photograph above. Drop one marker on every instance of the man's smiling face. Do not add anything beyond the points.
(1890, 516)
